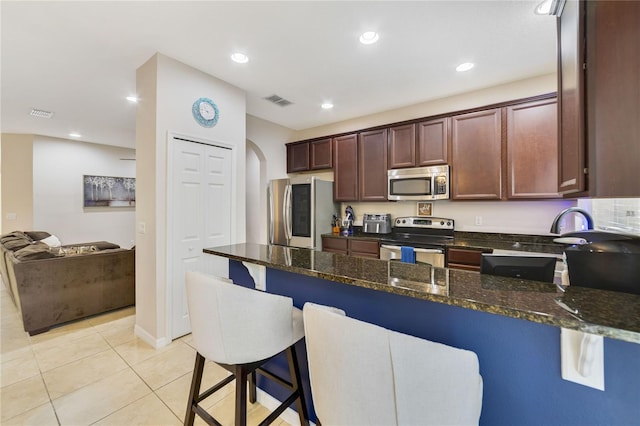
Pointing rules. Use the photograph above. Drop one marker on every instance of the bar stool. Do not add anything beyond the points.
(240, 329)
(362, 374)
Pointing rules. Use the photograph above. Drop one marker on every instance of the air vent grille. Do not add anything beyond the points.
(278, 100)
(41, 113)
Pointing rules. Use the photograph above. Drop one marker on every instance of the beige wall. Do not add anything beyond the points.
(17, 182)
(505, 92)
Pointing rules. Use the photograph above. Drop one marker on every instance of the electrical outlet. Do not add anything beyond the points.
(630, 213)
(478, 220)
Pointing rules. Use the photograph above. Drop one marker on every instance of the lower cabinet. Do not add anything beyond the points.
(352, 246)
(467, 259)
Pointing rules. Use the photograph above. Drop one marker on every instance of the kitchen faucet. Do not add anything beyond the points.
(555, 226)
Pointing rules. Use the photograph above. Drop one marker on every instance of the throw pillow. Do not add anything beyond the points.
(36, 251)
(37, 235)
(51, 241)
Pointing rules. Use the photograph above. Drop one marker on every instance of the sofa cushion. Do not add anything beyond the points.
(12, 235)
(16, 243)
(104, 245)
(35, 251)
(37, 235)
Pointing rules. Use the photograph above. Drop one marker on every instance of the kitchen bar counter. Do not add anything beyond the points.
(610, 314)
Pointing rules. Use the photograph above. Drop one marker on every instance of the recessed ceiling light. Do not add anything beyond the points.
(369, 37)
(465, 67)
(326, 105)
(75, 135)
(240, 58)
(133, 99)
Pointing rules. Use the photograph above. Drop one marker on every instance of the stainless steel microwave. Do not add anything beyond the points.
(419, 183)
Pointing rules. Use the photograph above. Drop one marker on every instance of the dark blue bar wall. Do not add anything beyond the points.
(519, 360)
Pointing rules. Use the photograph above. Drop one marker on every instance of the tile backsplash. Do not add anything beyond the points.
(617, 214)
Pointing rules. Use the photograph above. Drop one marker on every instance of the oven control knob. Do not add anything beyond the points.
(442, 223)
(448, 223)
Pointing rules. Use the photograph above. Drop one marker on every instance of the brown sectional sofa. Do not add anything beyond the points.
(51, 286)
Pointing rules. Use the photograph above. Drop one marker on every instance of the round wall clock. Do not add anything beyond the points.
(206, 112)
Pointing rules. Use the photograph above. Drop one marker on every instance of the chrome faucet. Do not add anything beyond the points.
(555, 226)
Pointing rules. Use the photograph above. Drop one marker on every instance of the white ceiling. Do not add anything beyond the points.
(79, 58)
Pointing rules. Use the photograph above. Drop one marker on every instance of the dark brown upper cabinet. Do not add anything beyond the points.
(372, 165)
(345, 168)
(433, 139)
(476, 149)
(402, 146)
(321, 154)
(309, 155)
(599, 106)
(532, 150)
(297, 157)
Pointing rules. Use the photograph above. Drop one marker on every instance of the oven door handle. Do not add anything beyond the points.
(417, 250)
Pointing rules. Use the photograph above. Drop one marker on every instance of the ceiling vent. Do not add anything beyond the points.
(41, 113)
(278, 100)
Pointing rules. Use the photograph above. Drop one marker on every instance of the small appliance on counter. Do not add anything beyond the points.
(606, 260)
(376, 223)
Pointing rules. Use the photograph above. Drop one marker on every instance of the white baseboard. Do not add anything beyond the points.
(270, 403)
(148, 338)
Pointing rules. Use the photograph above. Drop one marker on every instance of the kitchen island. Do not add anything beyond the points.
(513, 325)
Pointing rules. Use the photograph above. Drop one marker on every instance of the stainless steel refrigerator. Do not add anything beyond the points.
(300, 210)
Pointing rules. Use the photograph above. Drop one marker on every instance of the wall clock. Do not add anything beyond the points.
(206, 112)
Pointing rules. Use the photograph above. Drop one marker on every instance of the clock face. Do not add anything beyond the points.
(206, 112)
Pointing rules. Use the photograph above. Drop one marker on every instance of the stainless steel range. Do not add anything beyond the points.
(428, 236)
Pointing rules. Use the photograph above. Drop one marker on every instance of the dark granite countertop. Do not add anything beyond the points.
(610, 314)
(484, 241)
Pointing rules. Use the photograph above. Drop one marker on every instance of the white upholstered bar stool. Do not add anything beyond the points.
(362, 374)
(240, 329)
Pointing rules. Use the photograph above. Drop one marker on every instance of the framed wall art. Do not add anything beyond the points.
(425, 208)
(109, 191)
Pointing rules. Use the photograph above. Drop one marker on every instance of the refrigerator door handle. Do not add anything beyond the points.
(271, 212)
(287, 213)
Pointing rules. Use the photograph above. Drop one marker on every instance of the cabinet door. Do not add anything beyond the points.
(433, 137)
(613, 98)
(335, 245)
(571, 155)
(532, 150)
(321, 154)
(467, 259)
(372, 162)
(345, 168)
(364, 248)
(402, 146)
(298, 157)
(476, 148)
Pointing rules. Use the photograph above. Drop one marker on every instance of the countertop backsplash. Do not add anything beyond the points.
(615, 214)
(511, 217)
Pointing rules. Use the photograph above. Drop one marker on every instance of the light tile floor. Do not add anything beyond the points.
(96, 372)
